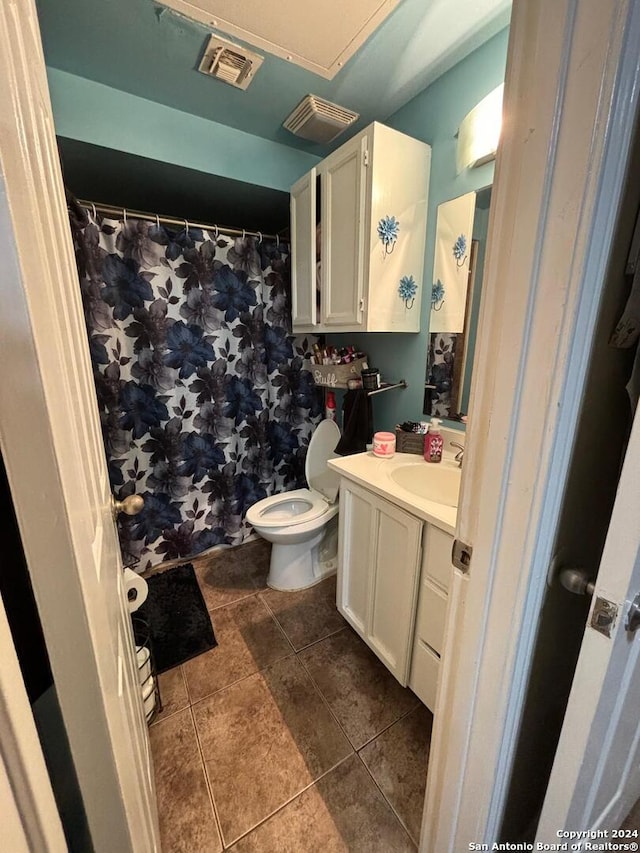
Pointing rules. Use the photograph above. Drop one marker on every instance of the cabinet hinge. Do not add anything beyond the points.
(461, 555)
(365, 157)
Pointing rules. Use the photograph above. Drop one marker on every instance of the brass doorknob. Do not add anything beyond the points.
(131, 505)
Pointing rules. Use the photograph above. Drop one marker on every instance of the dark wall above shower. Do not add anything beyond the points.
(126, 180)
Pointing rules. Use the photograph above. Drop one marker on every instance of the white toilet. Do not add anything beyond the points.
(303, 525)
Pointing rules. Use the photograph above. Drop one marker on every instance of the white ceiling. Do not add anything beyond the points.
(320, 37)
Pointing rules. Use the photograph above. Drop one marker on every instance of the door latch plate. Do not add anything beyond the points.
(604, 615)
(461, 555)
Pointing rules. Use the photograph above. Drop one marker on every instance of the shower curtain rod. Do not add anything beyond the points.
(124, 212)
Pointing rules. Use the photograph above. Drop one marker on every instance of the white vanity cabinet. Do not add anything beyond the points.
(378, 176)
(393, 577)
(378, 559)
(435, 577)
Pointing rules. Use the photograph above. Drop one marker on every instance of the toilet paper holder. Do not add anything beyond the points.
(147, 673)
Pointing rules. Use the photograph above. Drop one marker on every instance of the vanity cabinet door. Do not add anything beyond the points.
(393, 588)
(355, 554)
(378, 574)
(303, 252)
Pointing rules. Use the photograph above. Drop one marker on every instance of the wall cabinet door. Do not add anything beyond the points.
(343, 210)
(378, 574)
(303, 252)
(375, 178)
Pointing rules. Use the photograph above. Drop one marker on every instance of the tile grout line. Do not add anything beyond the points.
(214, 808)
(243, 678)
(275, 619)
(177, 710)
(387, 801)
(291, 799)
(386, 728)
(326, 703)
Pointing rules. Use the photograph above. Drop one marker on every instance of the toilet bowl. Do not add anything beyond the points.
(303, 525)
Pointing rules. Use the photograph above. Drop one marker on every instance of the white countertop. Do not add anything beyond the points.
(374, 473)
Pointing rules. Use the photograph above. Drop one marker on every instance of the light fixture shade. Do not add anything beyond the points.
(479, 132)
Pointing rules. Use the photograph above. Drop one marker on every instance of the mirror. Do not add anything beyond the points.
(461, 238)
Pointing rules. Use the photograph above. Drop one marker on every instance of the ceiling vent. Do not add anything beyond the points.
(229, 62)
(319, 120)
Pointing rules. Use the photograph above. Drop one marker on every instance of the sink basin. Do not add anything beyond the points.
(433, 482)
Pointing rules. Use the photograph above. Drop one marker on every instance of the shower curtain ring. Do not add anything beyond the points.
(93, 208)
(186, 226)
(124, 214)
(259, 237)
(157, 220)
(244, 235)
(277, 241)
(216, 232)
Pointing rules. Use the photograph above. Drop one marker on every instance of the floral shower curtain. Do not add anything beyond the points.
(204, 402)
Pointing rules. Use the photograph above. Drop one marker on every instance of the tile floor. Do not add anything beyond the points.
(290, 735)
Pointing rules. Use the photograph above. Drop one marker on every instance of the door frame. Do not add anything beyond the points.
(571, 101)
(30, 819)
(42, 438)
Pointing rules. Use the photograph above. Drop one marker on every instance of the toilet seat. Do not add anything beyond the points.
(288, 509)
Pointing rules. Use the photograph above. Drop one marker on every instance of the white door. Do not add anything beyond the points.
(303, 253)
(596, 772)
(50, 439)
(571, 98)
(343, 214)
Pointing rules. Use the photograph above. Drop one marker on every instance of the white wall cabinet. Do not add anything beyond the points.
(393, 580)
(377, 175)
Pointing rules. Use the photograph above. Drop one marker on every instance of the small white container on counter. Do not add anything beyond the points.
(384, 444)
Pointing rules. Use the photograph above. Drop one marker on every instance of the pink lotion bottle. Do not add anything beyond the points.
(433, 442)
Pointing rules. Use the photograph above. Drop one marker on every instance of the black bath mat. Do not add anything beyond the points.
(179, 624)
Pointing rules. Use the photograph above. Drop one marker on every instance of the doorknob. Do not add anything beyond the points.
(130, 505)
(632, 622)
(576, 581)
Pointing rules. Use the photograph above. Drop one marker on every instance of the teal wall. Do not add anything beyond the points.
(434, 117)
(94, 113)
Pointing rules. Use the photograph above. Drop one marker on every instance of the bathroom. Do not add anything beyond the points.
(433, 115)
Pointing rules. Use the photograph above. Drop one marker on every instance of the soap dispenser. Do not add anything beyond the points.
(433, 442)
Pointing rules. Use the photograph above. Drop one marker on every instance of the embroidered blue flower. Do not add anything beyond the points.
(460, 248)
(388, 228)
(187, 349)
(437, 294)
(407, 288)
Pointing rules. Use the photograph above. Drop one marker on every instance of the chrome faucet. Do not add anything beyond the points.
(459, 454)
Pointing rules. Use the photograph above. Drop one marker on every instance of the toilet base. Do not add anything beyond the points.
(304, 564)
